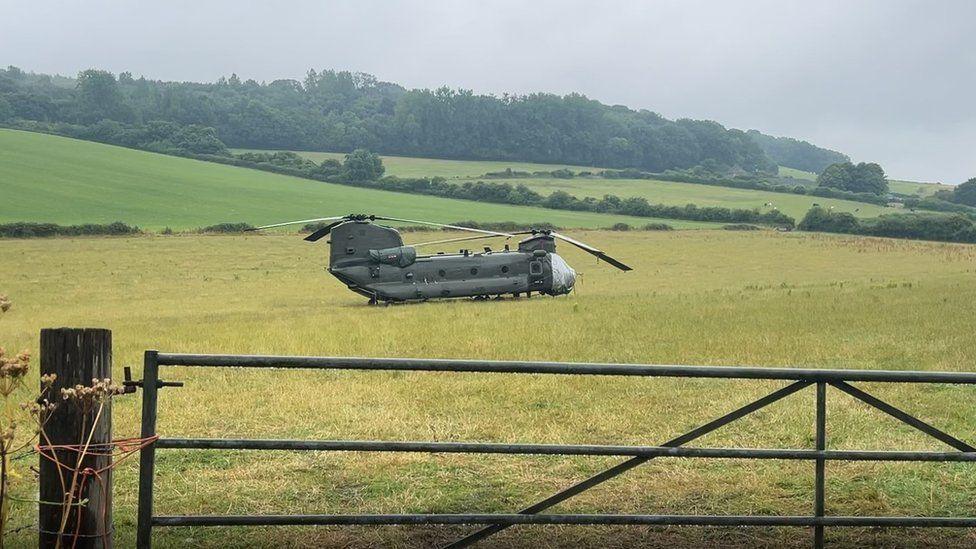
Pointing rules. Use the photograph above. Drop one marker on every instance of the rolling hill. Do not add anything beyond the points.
(46, 178)
(656, 192)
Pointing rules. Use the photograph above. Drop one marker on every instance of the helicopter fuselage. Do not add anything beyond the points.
(372, 261)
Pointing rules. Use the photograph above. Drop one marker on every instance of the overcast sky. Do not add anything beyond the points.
(886, 81)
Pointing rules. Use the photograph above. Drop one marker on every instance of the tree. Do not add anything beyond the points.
(6, 111)
(823, 220)
(362, 165)
(870, 178)
(838, 175)
(965, 193)
(861, 178)
(99, 96)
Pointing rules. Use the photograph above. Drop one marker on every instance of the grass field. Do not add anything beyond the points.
(896, 185)
(657, 192)
(695, 297)
(406, 166)
(54, 179)
(679, 194)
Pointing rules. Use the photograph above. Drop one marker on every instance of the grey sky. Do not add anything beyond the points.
(886, 81)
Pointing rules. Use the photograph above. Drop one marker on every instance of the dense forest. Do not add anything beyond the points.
(794, 153)
(343, 111)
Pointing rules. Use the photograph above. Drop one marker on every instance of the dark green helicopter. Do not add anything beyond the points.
(372, 261)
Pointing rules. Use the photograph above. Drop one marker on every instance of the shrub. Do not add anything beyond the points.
(657, 227)
(620, 227)
(740, 227)
(227, 228)
(45, 230)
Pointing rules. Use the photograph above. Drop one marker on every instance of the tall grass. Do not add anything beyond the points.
(702, 297)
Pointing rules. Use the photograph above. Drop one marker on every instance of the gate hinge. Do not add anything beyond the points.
(129, 385)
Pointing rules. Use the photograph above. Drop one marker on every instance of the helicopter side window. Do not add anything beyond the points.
(504, 268)
(535, 268)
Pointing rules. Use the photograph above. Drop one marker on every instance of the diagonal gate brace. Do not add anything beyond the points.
(625, 466)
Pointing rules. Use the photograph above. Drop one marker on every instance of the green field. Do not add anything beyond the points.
(405, 166)
(679, 194)
(695, 297)
(797, 174)
(55, 179)
(896, 185)
(656, 192)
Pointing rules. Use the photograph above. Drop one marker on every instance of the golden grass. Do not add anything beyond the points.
(702, 297)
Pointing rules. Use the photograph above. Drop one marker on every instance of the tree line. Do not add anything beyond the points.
(929, 226)
(342, 111)
(363, 168)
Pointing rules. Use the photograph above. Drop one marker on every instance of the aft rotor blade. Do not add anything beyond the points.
(591, 250)
(319, 233)
(461, 239)
(297, 222)
(431, 223)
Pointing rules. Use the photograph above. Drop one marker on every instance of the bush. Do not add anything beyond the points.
(821, 219)
(227, 228)
(943, 228)
(657, 227)
(620, 227)
(505, 226)
(45, 230)
(362, 165)
(740, 227)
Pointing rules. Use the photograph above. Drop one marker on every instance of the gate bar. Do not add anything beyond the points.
(904, 417)
(576, 519)
(820, 464)
(578, 368)
(147, 456)
(556, 449)
(625, 466)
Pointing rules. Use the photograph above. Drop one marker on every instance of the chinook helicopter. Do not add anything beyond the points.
(372, 261)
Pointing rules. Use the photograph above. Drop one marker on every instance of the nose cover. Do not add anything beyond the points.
(563, 276)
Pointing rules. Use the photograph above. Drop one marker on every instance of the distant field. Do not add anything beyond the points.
(403, 166)
(914, 187)
(694, 297)
(896, 185)
(55, 179)
(797, 174)
(663, 192)
(679, 194)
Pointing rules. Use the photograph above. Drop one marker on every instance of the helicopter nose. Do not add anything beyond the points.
(563, 276)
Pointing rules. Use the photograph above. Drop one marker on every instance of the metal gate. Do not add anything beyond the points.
(636, 455)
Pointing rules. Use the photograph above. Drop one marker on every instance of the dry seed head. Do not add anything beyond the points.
(99, 391)
(14, 367)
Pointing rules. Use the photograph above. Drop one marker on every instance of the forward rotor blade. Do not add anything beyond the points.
(461, 239)
(482, 231)
(593, 251)
(297, 222)
(323, 231)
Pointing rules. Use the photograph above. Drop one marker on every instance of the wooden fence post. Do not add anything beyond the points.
(76, 355)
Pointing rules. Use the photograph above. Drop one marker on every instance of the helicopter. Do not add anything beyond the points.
(372, 261)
